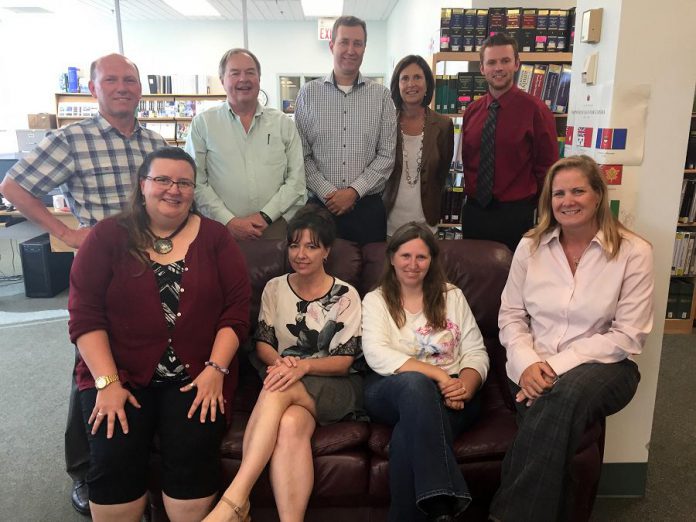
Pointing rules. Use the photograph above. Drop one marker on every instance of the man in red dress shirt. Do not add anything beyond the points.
(522, 144)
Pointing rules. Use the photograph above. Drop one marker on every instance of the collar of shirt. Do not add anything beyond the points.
(556, 234)
(330, 78)
(504, 98)
(259, 110)
(104, 125)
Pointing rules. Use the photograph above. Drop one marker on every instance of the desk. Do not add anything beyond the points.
(26, 229)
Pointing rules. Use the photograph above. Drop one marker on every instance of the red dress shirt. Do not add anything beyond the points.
(111, 290)
(525, 144)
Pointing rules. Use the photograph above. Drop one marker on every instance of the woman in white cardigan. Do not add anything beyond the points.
(429, 361)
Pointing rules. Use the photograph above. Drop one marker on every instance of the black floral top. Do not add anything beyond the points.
(170, 369)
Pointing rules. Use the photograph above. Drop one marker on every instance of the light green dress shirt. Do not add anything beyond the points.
(242, 173)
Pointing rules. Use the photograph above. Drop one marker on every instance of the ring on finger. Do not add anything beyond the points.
(100, 413)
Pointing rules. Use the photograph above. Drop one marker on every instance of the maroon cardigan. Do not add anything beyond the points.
(110, 290)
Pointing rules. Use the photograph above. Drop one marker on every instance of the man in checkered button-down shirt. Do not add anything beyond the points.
(348, 128)
(94, 161)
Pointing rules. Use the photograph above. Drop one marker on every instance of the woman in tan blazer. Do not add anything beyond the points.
(424, 148)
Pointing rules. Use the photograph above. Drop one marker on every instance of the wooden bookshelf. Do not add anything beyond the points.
(81, 102)
(473, 58)
(680, 326)
(685, 326)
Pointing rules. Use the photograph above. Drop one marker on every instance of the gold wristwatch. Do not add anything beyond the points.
(104, 380)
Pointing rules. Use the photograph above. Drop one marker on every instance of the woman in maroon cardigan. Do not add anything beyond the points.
(159, 303)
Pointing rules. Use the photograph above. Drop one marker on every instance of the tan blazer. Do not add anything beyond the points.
(438, 147)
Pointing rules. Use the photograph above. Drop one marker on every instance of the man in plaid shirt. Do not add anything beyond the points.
(94, 162)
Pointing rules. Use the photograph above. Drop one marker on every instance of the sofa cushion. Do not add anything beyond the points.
(265, 259)
(345, 262)
(327, 440)
(487, 439)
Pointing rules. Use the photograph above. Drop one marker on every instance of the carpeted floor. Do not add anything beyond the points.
(37, 360)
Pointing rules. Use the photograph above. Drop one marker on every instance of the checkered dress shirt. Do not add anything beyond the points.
(93, 163)
(349, 140)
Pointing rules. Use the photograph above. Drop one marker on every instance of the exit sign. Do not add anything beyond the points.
(324, 26)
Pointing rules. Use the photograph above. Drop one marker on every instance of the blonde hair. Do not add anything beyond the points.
(609, 225)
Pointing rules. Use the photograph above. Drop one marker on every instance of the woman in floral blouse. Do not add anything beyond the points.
(307, 338)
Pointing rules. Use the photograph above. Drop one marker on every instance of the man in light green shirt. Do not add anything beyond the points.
(249, 158)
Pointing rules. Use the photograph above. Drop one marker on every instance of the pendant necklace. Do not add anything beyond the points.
(163, 245)
(419, 158)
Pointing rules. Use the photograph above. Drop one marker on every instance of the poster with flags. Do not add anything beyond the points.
(601, 117)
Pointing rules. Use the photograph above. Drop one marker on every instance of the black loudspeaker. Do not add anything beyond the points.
(46, 273)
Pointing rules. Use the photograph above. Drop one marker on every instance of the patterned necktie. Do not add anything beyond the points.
(484, 182)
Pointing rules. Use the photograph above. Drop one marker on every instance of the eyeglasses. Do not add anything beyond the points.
(165, 182)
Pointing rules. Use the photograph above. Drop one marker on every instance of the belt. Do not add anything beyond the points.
(471, 201)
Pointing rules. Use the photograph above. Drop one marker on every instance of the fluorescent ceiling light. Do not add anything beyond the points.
(29, 6)
(322, 7)
(193, 7)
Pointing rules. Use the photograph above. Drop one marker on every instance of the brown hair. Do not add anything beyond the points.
(498, 40)
(348, 21)
(135, 218)
(434, 284)
(317, 220)
(606, 221)
(427, 73)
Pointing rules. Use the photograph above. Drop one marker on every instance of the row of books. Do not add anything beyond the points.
(450, 233)
(173, 108)
(679, 299)
(691, 148)
(536, 30)
(550, 82)
(687, 203)
(183, 84)
(683, 256)
(172, 131)
(453, 195)
(77, 109)
(452, 201)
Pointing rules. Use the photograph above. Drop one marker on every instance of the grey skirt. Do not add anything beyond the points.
(336, 397)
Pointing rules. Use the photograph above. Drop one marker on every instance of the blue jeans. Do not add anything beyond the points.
(421, 460)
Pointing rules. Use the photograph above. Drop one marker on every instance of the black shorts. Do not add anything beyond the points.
(190, 450)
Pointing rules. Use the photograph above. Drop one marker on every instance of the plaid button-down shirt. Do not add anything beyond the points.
(93, 163)
(349, 140)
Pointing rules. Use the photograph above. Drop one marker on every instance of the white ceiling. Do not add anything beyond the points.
(257, 10)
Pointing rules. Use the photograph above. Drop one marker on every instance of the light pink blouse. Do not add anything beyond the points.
(603, 313)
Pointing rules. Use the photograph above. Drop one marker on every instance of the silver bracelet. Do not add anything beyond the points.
(219, 368)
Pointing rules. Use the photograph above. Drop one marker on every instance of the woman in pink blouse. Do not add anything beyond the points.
(577, 304)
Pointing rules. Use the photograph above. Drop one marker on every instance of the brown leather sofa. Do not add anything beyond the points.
(351, 458)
